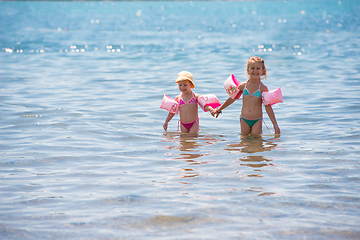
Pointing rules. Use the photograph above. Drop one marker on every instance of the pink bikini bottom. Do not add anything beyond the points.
(189, 124)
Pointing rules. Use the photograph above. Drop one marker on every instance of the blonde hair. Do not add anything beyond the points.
(257, 59)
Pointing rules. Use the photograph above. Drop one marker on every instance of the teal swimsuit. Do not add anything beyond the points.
(257, 94)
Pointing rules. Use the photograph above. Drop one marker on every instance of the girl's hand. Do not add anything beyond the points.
(209, 109)
(215, 112)
(165, 126)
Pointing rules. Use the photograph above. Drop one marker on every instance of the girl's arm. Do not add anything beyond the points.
(228, 102)
(207, 107)
(271, 114)
(170, 115)
(168, 119)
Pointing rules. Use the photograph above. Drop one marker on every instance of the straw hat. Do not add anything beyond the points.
(185, 75)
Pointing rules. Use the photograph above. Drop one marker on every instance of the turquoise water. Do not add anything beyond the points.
(83, 152)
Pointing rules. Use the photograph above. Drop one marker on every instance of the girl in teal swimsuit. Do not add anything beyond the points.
(251, 112)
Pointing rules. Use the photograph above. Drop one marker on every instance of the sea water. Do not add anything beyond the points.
(83, 151)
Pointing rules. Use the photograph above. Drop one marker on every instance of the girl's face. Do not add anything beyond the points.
(255, 70)
(185, 86)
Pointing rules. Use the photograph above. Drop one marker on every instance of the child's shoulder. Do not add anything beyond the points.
(263, 88)
(243, 83)
(242, 86)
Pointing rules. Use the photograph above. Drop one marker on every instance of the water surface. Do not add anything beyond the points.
(83, 152)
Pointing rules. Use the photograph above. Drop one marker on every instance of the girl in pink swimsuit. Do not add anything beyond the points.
(188, 105)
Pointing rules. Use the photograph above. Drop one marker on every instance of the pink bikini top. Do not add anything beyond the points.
(192, 100)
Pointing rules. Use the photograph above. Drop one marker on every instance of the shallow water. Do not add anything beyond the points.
(83, 152)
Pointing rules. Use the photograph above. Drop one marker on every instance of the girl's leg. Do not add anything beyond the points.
(244, 127)
(183, 129)
(195, 128)
(256, 129)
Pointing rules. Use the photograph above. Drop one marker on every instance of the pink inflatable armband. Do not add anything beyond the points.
(272, 97)
(170, 104)
(208, 100)
(231, 87)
